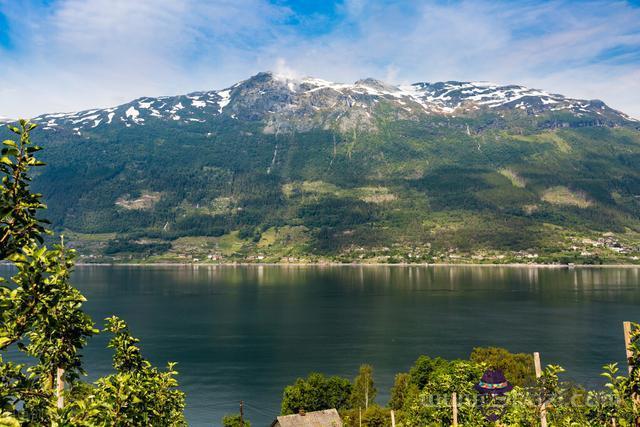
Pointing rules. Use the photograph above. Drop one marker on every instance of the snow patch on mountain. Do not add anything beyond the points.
(225, 98)
(134, 115)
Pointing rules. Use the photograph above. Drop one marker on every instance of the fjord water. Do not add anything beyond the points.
(244, 332)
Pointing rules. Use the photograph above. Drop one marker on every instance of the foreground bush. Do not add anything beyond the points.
(422, 396)
(42, 317)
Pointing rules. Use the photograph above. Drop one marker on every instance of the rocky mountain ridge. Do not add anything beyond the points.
(286, 104)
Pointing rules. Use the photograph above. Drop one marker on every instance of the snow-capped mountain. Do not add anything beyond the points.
(186, 108)
(286, 104)
(342, 170)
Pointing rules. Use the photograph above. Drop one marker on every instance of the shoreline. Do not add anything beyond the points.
(337, 264)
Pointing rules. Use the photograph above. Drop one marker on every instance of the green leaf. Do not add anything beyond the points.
(11, 151)
(10, 143)
(33, 149)
(7, 420)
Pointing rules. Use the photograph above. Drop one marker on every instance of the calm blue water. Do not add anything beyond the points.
(246, 332)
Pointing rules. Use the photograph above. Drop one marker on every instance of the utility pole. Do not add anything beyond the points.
(543, 407)
(454, 408)
(627, 344)
(241, 413)
(59, 387)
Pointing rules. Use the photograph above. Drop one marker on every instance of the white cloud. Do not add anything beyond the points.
(81, 54)
(90, 53)
(281, 68)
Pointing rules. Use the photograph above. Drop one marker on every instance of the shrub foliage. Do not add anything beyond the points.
(42, 318)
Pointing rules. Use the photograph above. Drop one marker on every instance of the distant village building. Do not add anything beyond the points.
(326, 418)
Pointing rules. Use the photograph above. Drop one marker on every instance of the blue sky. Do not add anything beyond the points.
(66, 55)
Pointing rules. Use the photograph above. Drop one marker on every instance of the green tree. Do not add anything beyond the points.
(233, 420)
(42, 317)
(431, 406)
(19, 225)
(376, 416)
(364, 390)
(423, 368)
(137, 394)
(402, 391)
(315, 393)
(41, 312)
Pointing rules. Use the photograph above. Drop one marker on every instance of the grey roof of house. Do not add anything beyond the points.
(326, 418)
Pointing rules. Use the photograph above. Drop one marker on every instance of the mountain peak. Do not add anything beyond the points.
(376, 84)
(284, 102)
